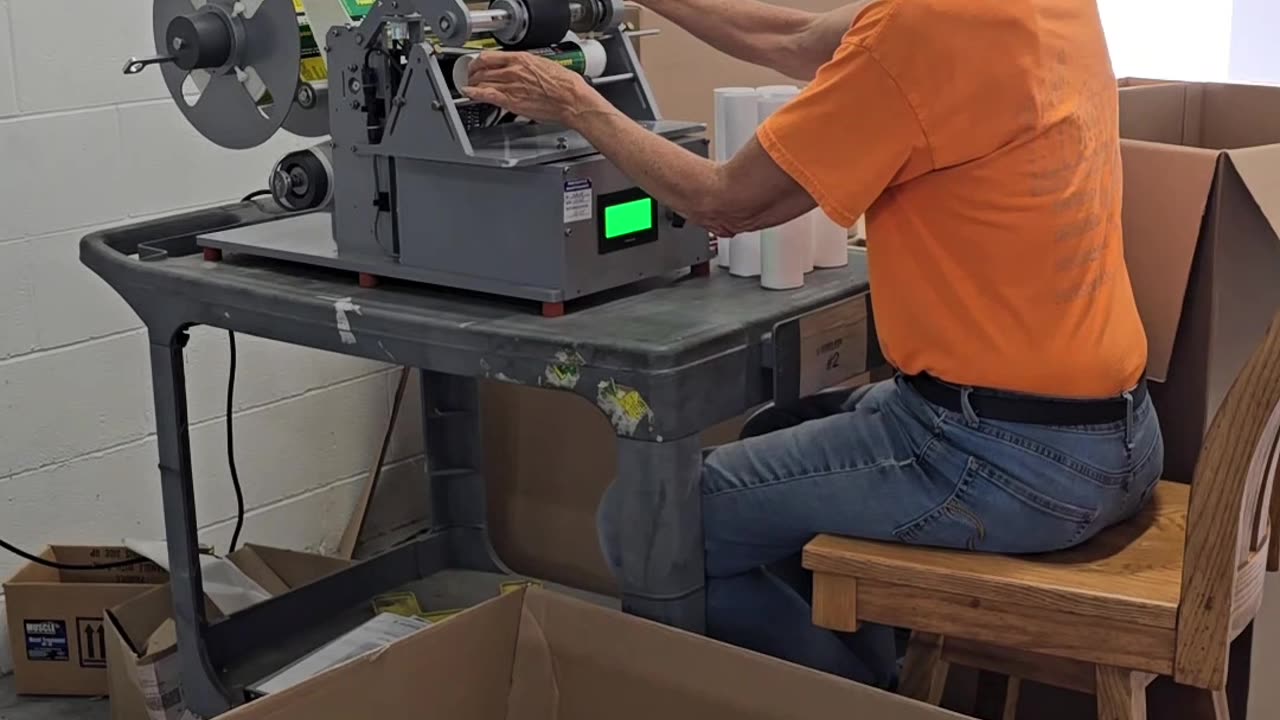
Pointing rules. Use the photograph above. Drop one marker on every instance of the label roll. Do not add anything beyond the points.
(584, 57)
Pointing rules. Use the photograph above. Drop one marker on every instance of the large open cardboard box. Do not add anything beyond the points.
(142, 645)
(538, 655)
(1201, 213)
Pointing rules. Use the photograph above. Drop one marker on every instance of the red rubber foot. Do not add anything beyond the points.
(368, 281)
(553, 310)
(212, 255)
(702, 269)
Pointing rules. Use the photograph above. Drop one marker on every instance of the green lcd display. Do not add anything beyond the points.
(628, 218)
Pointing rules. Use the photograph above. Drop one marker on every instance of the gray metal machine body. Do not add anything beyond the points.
(418, 185)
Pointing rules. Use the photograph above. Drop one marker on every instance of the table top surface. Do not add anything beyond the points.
(694, 346)
(662, 318)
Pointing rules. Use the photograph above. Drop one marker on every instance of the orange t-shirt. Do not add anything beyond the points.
(981, 139)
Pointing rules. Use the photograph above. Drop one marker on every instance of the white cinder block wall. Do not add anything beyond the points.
(81, 147)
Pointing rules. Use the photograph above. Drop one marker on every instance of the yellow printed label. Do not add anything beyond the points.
(314, 70)
(297, 7)
(633, 405)
(438, 615)
(402, 603)
(507, 588)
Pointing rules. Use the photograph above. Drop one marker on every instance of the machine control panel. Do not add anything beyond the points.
(626, 219)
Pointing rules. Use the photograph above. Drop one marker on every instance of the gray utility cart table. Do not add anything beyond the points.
(662, 362)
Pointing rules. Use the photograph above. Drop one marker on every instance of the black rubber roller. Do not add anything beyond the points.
(548, 23)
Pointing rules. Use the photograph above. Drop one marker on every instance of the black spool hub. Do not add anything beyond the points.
(199, 41)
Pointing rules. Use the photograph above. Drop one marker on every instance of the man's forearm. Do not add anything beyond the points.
(718, 197)
(674, 177)
(757, 32)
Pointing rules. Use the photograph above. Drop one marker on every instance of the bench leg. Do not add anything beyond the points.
(1122, 694)
(924, 674)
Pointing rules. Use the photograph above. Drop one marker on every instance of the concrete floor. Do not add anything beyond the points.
(13, 707)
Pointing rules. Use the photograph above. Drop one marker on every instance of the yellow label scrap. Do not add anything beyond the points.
(507, 588)
(436, 616)
(404, 604)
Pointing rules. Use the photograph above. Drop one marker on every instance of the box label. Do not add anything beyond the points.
(91, 638)
(46, 640)
(578, 201)
(833, 345)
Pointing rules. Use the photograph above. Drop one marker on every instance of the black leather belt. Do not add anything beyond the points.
(1029, 409)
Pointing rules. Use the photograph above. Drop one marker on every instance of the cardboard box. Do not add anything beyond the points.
(536, 655)
(141, 641)
(1201, 213)
(56, 630)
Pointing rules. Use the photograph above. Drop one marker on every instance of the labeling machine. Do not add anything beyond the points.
(417, 182)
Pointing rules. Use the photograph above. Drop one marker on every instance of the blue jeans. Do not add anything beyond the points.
(886, 464)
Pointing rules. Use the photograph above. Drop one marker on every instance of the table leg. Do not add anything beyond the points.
(660, 543)
(454, 462)
(204, 693)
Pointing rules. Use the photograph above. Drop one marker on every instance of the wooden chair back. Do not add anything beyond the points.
(1229, 539)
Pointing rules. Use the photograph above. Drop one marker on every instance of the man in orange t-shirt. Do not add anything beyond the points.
(980, 137)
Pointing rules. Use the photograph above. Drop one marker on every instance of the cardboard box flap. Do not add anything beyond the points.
(137, 620)
(1166, 192)
(279, 571)
(1239, 116)
(535, 692)
(1162, 113)
(1259, 167)
(144, 572)
(455, 669)
(641, 670)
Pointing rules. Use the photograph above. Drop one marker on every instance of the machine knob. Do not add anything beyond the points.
(199, 41)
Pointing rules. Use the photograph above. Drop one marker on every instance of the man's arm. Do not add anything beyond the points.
(750, 192)
(793, 42)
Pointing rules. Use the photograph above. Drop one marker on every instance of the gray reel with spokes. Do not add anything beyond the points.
(231, 66)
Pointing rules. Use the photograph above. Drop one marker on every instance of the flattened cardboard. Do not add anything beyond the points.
(55, 617)
(537, 655)
(1202, 241)
(141, 635)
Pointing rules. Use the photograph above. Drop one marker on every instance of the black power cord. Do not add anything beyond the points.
(231, 446)
(255, 195)
(69, 566)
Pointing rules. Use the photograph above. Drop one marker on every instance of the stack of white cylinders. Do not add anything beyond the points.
(735, 125)
(786, 252)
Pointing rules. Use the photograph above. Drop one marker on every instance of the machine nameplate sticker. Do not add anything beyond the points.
(579, 203)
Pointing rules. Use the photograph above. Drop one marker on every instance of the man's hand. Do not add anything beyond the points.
(530, 86)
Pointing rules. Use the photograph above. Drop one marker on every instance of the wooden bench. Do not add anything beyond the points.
(1163, 594)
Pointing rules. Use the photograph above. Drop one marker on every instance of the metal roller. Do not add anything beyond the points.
(525, 24)
(303, 180)
(243, 57)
